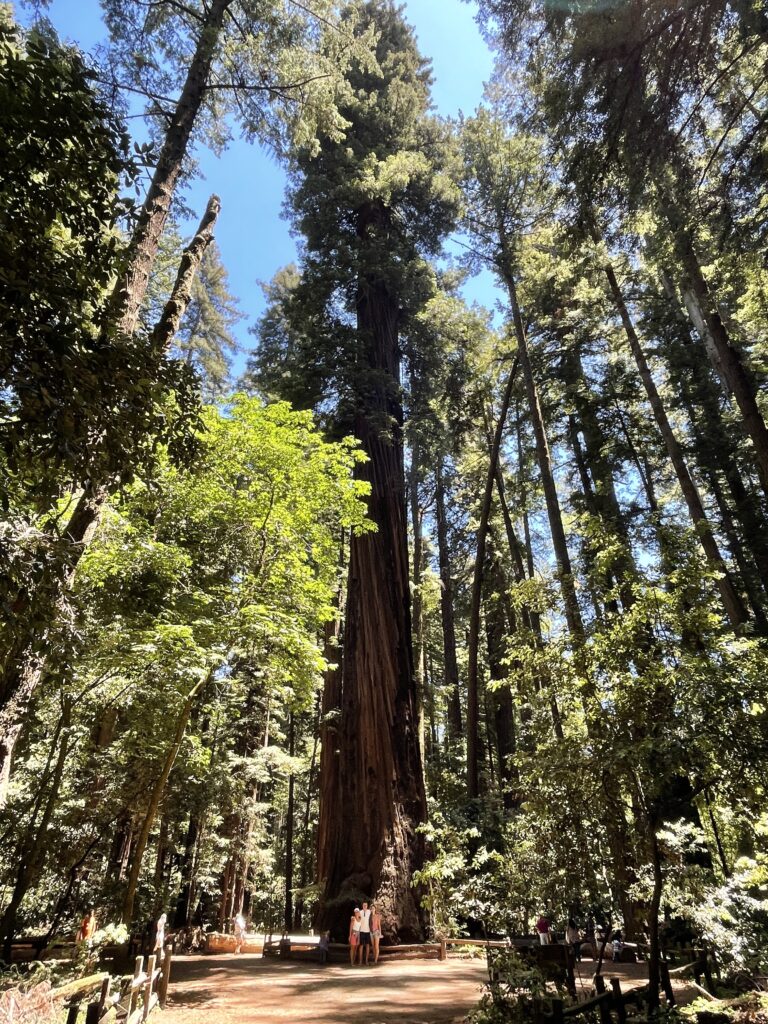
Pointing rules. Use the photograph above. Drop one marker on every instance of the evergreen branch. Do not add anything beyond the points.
(175, 4)
(726, 133)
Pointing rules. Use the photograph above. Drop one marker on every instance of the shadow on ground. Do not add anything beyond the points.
(252, 990)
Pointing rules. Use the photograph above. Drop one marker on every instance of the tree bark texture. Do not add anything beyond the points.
(379, 800)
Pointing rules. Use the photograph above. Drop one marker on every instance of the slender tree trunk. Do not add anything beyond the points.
(557, 531)
(446, 606)
(618, 837)
(531, 619)
(473, 724)
(732, 603)
(288, 915)
(654, 958)
(380, 801)
(724, 356)
(33, 850)
(417, 601)
(716, 447)
(184, 905)
(306, 843)
(155, 797)
(503, 705)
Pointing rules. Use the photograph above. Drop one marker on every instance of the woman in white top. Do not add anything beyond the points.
(354, 934)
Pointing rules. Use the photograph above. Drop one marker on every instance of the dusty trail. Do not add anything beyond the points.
(251, 990)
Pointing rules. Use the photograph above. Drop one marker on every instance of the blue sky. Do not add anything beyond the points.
(253, 238)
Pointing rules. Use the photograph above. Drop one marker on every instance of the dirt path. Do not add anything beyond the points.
(251, 990)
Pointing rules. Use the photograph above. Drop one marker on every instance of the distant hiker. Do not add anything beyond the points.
(543, 928)
(573, 937)
(160, 937)
(87, 928)
(323, 947)
(240, 932)
(618, 944)
(375, 932)
(365, 933)
(354, 934)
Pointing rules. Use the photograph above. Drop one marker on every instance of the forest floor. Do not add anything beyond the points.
(248, 989)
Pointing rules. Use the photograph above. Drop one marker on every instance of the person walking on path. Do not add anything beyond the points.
(365, 933)
(375, 932)
(159, 946)
(87, 928)
(543, 928)
(354, 934)
(240, 932)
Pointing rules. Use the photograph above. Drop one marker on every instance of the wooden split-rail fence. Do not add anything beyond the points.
(91, 1000)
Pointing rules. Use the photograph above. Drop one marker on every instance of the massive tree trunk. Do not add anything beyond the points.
(379, 801)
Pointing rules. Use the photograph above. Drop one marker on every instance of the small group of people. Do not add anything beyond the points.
(364, 934)
(592, 935)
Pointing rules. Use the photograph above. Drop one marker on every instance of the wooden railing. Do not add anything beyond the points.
(138, 996)
(302, 949)
(610, 1004)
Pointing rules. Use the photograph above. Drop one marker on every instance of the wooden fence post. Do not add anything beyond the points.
(165, 977)
(443, 950)
(666, 982)
(133, 998)
(599, 982)
(604, 1009)
(104, 994)
(618, 1001)
(148, 986)
(708, 971)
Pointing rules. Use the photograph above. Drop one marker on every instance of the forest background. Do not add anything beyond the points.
(534, 675)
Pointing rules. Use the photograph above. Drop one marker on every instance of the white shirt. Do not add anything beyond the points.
(365, 920)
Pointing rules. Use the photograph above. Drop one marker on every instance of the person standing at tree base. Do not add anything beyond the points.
(365, 934)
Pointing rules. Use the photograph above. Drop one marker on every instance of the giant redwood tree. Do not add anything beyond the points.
(371, 209)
